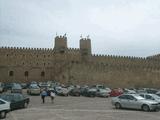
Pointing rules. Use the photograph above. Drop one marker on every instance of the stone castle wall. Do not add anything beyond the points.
(77, 66)
(113, 73)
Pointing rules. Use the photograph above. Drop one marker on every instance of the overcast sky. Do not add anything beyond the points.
(116, 27)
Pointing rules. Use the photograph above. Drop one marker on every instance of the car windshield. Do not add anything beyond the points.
(35, 87)
(156, 96)
(102, 90)
(138, 97)
(92, 89)
(7, 97)
(17, 86)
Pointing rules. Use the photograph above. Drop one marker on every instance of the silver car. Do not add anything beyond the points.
(135, 101)
(102, 93)
(150, 96)
(16, 88)
(34, 89)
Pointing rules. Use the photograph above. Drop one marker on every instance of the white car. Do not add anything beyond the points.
(34, 90)
(158, 93)
(135, 101)
(102, 93)
(62, 91)
(4, 108)
(129, 91)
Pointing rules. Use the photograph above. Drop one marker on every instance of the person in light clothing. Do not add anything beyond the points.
(52, 95)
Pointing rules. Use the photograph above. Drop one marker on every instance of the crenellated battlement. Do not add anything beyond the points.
(118, 57)
(61, 37)
(96, 58)
(73, 50)
(27, 49)
(154, 57)
(77, 65)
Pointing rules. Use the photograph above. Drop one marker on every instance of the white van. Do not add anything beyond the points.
(4, 108)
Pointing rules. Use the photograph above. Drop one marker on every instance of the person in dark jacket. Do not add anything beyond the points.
(43, 95)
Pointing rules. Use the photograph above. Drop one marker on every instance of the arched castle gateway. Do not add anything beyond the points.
(77, 66)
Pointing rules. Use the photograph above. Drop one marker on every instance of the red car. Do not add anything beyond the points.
(116, 92)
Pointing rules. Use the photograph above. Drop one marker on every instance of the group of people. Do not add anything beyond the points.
(44, 94)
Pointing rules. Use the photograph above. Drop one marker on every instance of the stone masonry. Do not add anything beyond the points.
(77, 66)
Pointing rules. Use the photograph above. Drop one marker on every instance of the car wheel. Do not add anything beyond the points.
(3, 114)
(157, 110)
(117, 105)
(145, 108)
(25, 105)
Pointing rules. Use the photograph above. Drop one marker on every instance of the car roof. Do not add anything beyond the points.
(147, 93)
(130, 94)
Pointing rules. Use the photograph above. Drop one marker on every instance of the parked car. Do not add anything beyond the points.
(141, 91)
(108, 89)
(43, 85)
(83, 90)
(8, 86)
(16, 100)
(75, 92)
(24, 85)
(90, 92)
(158, 93)
(116, 92)
(4, 108)
(16, 88)
(61, 91)
(34, 89)
(98, 86)
(151, 90)
(150, 97)
(135, 101)
(70, 87)
(102, 93)
(129, 91)
(33, 82)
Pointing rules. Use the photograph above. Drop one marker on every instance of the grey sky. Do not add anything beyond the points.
(116, 27)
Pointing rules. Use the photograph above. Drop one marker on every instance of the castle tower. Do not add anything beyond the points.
(85, 48)
(60, 43)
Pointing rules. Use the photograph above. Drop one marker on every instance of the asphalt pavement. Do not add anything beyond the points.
(77, 108)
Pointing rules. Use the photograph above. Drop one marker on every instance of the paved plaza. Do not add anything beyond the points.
(77, 108)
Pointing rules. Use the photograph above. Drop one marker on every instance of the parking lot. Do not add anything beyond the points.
(77, 108)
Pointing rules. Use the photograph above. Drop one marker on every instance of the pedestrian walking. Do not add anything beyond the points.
(43, 95)
(52, 95)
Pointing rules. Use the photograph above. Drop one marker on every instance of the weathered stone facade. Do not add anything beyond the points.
(77, 66)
